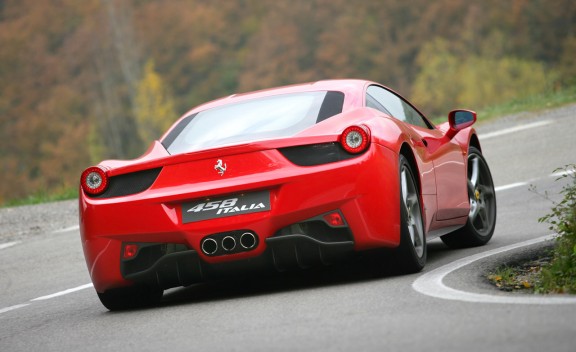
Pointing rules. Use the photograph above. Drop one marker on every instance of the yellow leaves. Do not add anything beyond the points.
(449, 79)
(522, 276)
(154, 105)
(496, 280)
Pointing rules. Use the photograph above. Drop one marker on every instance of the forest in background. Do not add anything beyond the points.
(82, 81)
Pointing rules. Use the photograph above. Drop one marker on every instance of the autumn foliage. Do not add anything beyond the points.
(85, 80)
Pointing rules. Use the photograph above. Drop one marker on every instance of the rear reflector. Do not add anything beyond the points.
(334, 219)
(130, 251)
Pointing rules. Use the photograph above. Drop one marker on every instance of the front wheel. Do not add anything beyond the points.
(482, 217)
(131, 297)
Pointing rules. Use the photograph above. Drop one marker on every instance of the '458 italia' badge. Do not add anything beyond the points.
(221, 207)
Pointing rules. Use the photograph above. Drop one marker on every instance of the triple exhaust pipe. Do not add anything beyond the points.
(229, 243)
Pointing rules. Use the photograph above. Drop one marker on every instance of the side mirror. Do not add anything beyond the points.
(459, 120)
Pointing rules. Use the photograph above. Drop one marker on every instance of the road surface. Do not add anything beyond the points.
(48, 304)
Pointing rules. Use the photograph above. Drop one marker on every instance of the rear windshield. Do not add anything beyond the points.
(258, 119)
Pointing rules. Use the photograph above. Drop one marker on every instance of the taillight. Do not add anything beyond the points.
(355, 139)
(94, 180)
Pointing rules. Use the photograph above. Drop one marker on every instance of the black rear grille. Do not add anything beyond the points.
(316, 154)
(132, 183)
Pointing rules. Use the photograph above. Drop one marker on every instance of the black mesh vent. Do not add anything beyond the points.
(148, 254)
(135, 182)
(316, 154)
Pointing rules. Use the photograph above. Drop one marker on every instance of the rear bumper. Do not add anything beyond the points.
(284, 253)
(364, 189)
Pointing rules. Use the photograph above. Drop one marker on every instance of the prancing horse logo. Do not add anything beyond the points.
(218, 167)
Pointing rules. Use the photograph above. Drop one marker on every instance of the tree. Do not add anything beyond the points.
(449, 79)
(154, 105)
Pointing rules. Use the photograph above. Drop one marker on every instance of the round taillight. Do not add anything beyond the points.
(94, 180)
(355, 139)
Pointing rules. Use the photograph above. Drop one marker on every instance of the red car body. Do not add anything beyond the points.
(357, 197)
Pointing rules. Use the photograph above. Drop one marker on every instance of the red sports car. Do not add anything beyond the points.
(289, 177)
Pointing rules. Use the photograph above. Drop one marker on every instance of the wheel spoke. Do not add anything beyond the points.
(483, 216)
(470, 187)
(474, 208)
(411, 201)
(475, 172)
(412, 232)
(404, 184)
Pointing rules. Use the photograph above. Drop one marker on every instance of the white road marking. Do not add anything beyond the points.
(513, 129)
(71, 228)
(526, 183)
(8, 244)
(62, 293)
(431, 283)
(7, 309)
(57, 294)
(512, 185)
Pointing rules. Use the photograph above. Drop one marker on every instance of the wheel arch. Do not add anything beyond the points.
(474, 142)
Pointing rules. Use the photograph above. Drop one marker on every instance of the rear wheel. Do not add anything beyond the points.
(131, 297)
(482, 217)
(411, 254)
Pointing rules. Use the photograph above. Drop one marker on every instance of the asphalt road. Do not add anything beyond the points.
(46, 304)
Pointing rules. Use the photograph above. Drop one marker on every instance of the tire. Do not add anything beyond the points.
(131, 297)
(412, 252)
(482, 217)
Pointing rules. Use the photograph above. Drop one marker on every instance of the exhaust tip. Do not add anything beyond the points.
(247, 240)
(228, 243)
(209, 246)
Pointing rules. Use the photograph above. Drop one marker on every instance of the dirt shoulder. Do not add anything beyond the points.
(17, 223)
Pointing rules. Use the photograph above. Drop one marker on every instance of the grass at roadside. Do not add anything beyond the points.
(44, 197)
(533, 103)
(520, 276)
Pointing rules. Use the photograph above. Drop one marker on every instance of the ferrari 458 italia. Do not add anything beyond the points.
(290, 177)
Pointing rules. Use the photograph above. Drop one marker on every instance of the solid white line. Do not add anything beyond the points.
(513, 129)
(512, 185)
(76, 227)
(431, 283)
(62, 293)
(8, 244)
(7, 309)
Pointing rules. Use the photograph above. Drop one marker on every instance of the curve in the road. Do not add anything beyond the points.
(431, 283)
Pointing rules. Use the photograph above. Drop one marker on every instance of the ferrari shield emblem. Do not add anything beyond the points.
(219, 167)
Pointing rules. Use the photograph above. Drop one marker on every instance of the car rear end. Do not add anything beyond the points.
(198, 209)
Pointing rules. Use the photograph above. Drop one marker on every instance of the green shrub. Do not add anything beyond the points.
(559, 276)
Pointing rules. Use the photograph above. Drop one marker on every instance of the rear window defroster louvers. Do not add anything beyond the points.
(132, 183)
